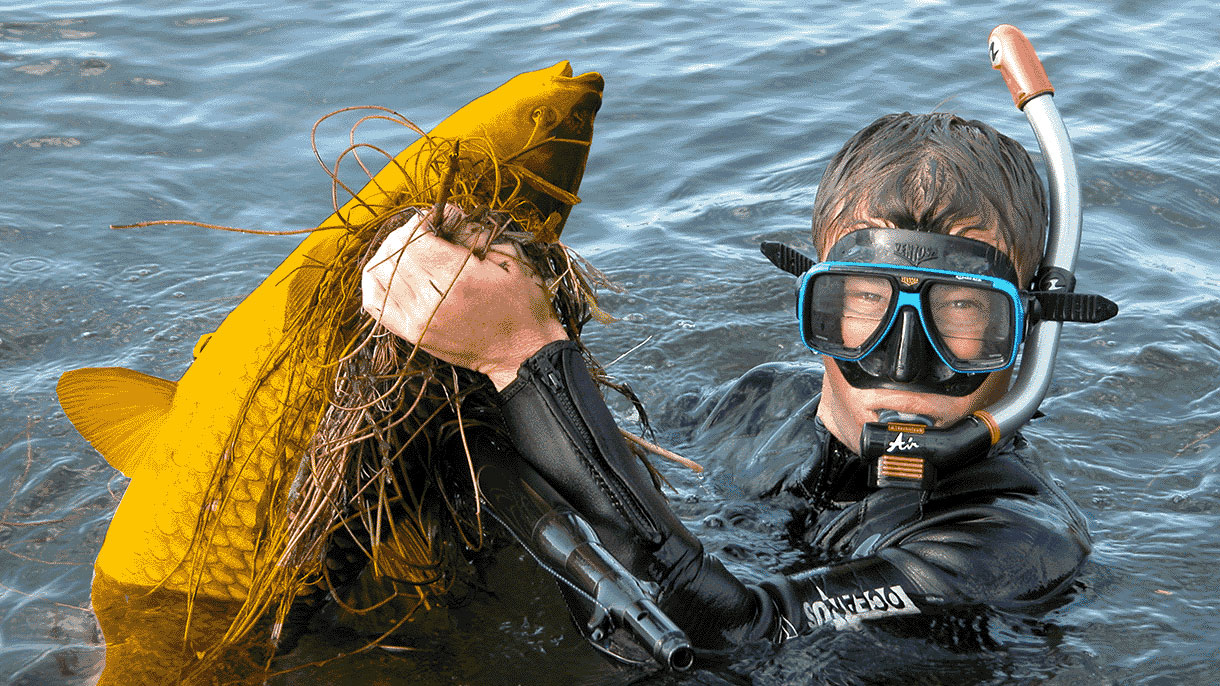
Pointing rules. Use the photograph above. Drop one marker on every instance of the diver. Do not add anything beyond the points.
(929, 230)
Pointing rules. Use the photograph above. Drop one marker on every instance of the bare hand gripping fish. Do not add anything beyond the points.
(216, 458)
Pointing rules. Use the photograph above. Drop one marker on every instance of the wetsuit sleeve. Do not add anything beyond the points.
(558, 421)
(1011, 553)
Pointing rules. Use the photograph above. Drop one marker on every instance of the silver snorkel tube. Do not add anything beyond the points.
(1012, 53)
(909, 454)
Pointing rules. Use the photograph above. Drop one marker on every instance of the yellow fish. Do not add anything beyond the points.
(170, 437)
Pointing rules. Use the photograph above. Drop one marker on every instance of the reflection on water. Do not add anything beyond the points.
(377, 631)
(716, 124)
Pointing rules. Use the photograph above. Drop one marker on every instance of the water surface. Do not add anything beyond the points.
(717, 121)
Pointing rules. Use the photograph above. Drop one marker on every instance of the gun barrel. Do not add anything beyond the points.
(563, 537)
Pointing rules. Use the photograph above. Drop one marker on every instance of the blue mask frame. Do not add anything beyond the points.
(912, 296)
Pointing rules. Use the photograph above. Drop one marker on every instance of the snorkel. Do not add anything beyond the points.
(908, 455)
(906, 451)
(1012, 54)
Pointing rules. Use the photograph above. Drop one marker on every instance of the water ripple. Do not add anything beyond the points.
(29, 265)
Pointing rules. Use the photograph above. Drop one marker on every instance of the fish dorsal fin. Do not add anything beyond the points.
(119, 411)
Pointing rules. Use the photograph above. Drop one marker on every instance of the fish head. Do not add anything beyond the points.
(539, 121)
(551, 99)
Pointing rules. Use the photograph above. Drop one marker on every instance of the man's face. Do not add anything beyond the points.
(844, 409)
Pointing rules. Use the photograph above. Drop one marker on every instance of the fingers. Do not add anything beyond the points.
(408, 277)
(476, 312)
(395, 282)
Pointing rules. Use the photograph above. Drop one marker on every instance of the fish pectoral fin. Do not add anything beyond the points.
(119, 411)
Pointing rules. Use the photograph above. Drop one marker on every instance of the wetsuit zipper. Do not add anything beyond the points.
(642, 521)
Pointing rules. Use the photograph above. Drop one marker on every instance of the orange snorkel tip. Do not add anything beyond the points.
(1013, 54)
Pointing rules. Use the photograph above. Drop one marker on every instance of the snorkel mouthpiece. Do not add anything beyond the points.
(906, 452)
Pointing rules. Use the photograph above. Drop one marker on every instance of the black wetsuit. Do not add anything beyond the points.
(997, 532)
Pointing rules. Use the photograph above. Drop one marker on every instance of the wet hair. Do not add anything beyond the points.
(929, 171)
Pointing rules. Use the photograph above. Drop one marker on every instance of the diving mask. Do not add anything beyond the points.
(919, 311)
(913, 310)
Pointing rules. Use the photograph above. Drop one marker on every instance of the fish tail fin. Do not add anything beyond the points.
(119, 411)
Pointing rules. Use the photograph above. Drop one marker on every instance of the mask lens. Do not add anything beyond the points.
(973, 325)
(846, 313)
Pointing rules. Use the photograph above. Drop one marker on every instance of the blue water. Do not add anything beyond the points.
(717, 121)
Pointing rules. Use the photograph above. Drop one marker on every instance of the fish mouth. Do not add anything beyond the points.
(581, 99)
